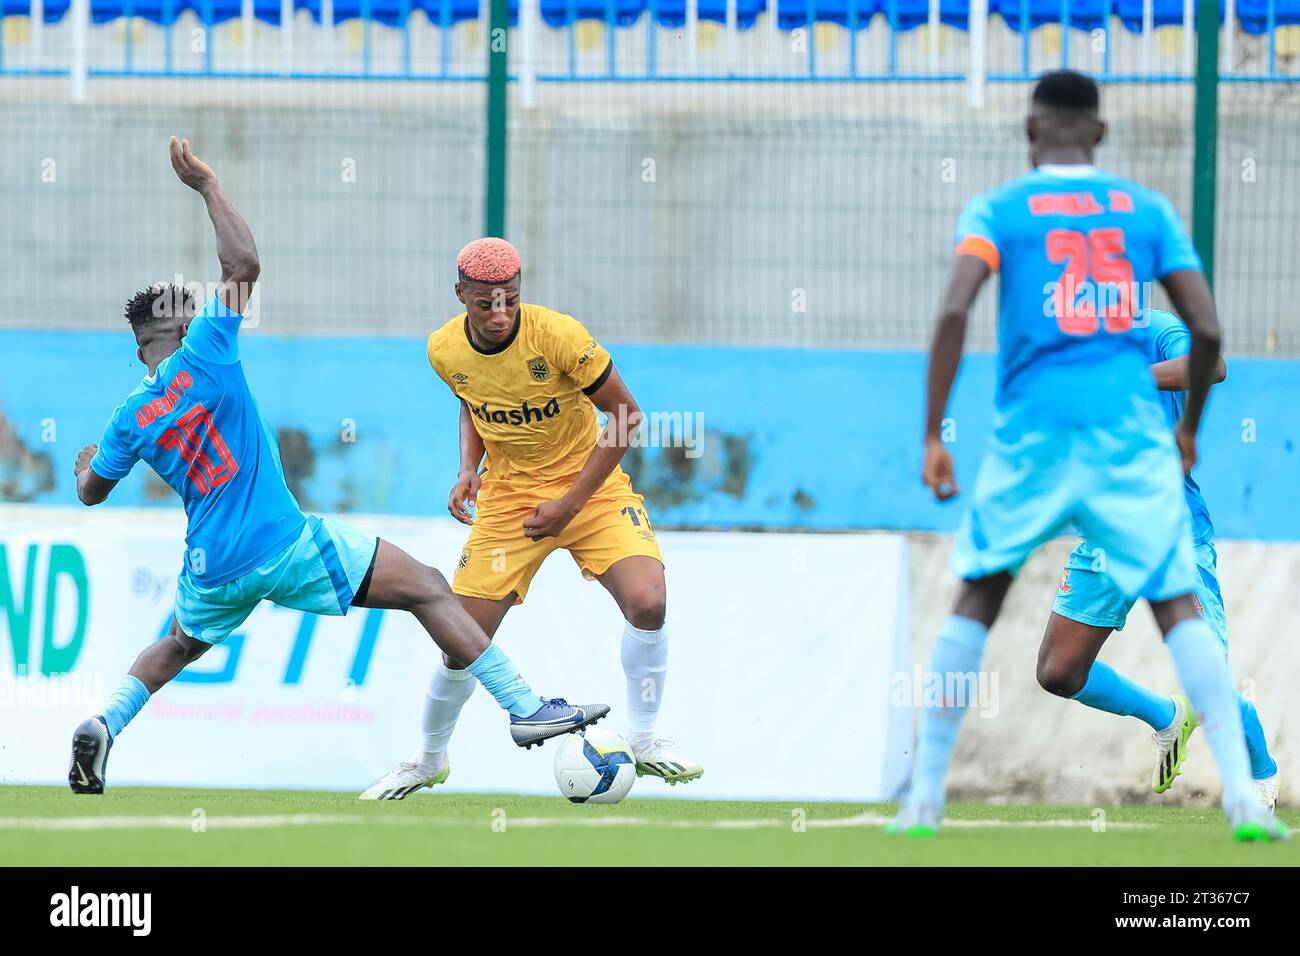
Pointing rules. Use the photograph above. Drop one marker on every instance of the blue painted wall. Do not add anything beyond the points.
(794, 438)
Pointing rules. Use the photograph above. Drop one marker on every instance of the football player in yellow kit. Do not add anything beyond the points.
(530, 381)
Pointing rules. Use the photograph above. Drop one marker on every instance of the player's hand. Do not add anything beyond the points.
(464, 496)
(83, 459)
(549, 519)
(937, 471)
(193, 172)
(1186, 447)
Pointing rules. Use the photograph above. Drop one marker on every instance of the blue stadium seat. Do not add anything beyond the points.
(1084, 14)
(559, 13)
(1253, 14)
(672, 13)
(910, 14)
(54, 9)
(1164, 12)
(795, 13)
(388, 12)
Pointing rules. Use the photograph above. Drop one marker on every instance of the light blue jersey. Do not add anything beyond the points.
(1169, 338)
(1077, 250)
(1080, 438)
(195, 423)
(1085, 593)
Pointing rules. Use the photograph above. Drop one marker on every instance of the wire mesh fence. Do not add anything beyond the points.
(790, 213)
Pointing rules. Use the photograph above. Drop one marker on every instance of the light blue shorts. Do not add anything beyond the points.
(321, 572)
(1086, 594)
(1120, 487)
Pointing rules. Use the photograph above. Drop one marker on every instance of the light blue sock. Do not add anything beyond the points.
(1262, 764)
(1111, 691)
(125, 703)
(957, 651)
(1203, 672)
(498, 674)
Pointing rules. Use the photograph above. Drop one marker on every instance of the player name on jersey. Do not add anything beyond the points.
(164, 406)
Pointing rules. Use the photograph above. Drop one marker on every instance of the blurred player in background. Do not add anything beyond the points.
(1079, 437)
(1089, 606)
(530, 381)
(194, 421)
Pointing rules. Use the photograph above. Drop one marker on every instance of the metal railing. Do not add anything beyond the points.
(639, 40)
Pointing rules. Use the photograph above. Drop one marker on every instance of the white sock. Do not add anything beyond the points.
(1203, 672)
(645, 662)
(448, 692)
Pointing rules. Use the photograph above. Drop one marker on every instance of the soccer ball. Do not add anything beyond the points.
(595, 766)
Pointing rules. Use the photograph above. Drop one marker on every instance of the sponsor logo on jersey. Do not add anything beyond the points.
(463, 563)
(525, 414)
(1065, 581)
(460, 378)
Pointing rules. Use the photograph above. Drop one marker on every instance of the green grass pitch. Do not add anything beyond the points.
(145, 826)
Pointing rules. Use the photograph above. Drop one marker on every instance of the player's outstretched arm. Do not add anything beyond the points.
(964, 281)
(91, 487)
(236, 250)
(1190, 295)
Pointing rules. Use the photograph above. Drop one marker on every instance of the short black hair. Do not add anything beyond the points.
(1067, 92)
(159, 303)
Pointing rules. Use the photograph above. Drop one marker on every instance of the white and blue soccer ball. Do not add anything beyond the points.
(595, 766)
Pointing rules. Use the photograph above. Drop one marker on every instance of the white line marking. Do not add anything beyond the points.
(237, 822)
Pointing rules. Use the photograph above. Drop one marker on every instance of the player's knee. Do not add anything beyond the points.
(427, 589)
(646, 609)
(1060, 677)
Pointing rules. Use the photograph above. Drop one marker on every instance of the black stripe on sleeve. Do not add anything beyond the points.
(601, 379)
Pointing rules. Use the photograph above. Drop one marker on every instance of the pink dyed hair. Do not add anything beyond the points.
(488, 260)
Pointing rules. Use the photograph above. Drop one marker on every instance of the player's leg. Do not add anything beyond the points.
(613, 542)
(955, 661)
(1067, 667)
(204, 616)
(397, 581)
(1136, 515)
(1203, 672)
(492, 575)
(637, 585)
(1020, 499)
(449, 690)
(1263, 768)
(94, 736)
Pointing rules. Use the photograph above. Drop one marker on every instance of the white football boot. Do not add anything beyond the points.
(655, 758)
(1171, 745)
(404, 779)
(1266, 791)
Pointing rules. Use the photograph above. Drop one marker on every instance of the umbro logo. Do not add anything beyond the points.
(460, 378)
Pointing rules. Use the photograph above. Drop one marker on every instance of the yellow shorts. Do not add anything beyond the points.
(498, 559)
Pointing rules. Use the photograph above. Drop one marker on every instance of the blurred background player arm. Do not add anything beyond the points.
(969, 271)
(464, 493)
(1171, 374)
(1191, 298)
(236, 250)
(1169, 349)
(624, 414)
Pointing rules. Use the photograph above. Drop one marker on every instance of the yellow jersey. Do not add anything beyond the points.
(528, 397)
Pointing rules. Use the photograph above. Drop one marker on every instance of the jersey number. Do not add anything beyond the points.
(187, 439)
(1091, 261)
